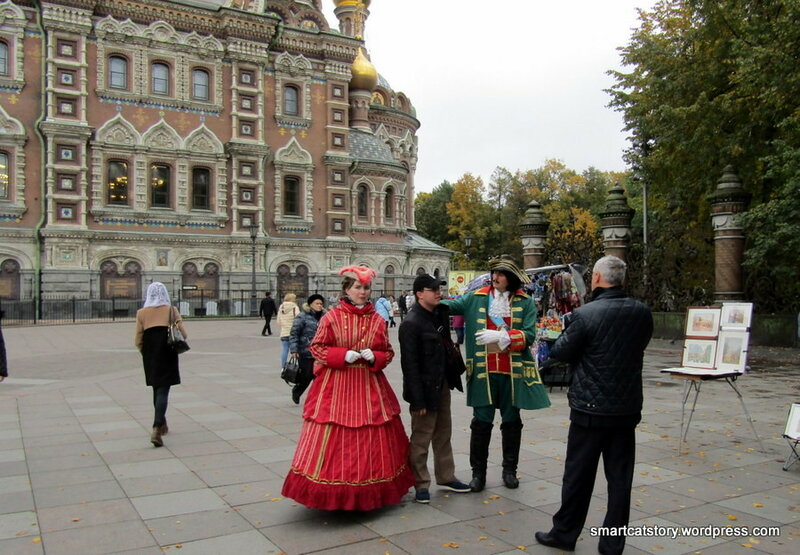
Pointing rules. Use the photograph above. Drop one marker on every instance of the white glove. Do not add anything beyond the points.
(351, 356)
(484, 337)
(368, 355)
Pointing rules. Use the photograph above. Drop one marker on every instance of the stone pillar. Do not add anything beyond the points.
(616, 223)
(533, 230)
(727, 202)
(359, 109)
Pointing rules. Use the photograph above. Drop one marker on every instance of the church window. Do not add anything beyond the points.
(200, 81)
(3, 58)
(362, 201)
(159, 75)
(5, 177)
(118, 72)
(291, 96)
(160, 182)
(117, 184)
(201, 188)
(388, 207)
(291, 196)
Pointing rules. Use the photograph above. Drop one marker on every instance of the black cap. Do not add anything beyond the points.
(315, 297)
(427, 281)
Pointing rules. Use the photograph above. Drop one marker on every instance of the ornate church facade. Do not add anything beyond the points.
(186, 141)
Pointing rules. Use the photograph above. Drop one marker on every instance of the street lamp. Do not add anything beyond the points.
(467, 245)
(253, 235)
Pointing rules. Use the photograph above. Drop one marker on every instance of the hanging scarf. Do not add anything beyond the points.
(156, 295)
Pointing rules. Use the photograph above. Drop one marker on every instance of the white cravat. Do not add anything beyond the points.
(500, 306)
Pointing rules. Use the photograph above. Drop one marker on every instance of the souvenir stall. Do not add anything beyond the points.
(557, 291)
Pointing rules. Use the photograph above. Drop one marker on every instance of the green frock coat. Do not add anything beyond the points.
(528, 392)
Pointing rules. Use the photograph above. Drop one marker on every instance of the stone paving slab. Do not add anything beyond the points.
(78, 474)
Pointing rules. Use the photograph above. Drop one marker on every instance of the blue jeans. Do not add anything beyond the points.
(285, 352)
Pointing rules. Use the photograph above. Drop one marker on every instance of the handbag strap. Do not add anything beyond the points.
(171, 316)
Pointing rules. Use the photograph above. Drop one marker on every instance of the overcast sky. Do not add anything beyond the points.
(504, 83)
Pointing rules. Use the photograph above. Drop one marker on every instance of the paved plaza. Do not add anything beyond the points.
(78, 474)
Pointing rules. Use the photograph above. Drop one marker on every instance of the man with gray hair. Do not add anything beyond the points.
(604, 343)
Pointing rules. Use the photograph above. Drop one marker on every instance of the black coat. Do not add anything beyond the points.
(3, 360)
(423, 357)
(267, 308)
(159, 359)
(604, 343)
(303, 331)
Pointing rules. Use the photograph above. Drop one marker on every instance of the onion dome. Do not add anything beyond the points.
(353, 3)
(365, 76)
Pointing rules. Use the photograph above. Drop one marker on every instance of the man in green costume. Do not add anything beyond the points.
(500, 321)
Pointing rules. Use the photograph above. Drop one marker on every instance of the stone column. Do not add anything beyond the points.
(727, 202)
(616, 223)
(533, 230)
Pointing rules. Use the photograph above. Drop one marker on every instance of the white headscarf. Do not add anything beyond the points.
(156, 295)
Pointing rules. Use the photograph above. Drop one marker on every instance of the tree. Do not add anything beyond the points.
(709, 83)
(470, 215)
(430, 213)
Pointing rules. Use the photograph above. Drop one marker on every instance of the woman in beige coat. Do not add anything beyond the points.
(286, 314)
(159, 359)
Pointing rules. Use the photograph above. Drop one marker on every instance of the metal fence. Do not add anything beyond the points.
(72, 309)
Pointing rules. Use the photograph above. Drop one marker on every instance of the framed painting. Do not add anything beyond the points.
(702, 321)
(699, 353)
(732, 350)
(736, 315)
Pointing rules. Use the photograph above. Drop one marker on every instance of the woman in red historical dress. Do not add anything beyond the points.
(353, 450)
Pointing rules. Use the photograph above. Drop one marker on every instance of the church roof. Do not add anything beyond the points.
(366, 146)
(417, 241)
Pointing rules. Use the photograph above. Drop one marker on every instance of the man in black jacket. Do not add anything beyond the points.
(604, 344)
(267, 310)
(426, 387)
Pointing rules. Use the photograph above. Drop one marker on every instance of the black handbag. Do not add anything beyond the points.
(291, 370)
(175, 338)
(455, 363)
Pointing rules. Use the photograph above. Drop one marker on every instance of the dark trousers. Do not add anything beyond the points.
(160, 399)
(304, 377)
(267, 328)
(585, 445)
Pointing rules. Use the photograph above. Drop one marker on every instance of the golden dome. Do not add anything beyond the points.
(365, 76)
(351, 3)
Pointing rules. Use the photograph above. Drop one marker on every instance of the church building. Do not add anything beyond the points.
(160, 140)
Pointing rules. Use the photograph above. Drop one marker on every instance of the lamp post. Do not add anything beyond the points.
(253, 235)
(467, 245)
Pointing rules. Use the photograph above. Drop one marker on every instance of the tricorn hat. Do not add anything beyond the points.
(361, 273)
(505, 263)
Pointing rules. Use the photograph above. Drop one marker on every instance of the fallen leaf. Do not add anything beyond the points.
(521, 547)
(37, 540)
(757, 505)
(22, 533)
(483, 538)
(76, 520)
(501, 513)
(451, 545)
(277, 499)
(733, 517)
(485, 501)
(494, 496)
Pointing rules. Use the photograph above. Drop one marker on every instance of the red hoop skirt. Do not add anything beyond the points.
(352, 453)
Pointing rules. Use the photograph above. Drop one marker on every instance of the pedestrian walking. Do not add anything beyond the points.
(287, 312)
(352, 453)
(3, 359)
(427, 382)
(303, 331)
(159, 359)
(267, 310)
(604, 343)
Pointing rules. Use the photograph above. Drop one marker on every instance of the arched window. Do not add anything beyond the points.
(362, 201)
(291, 97)
(159, 78)
(4, 68)
(9, 279)
(200, 82)
(117, 72)
(117, 183)
(5, 174)
(160, 182)
(201, 188)
(388, 206)
(291, 196)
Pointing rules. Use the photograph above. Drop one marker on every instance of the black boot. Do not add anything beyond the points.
(479, 452)
(512, 437)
